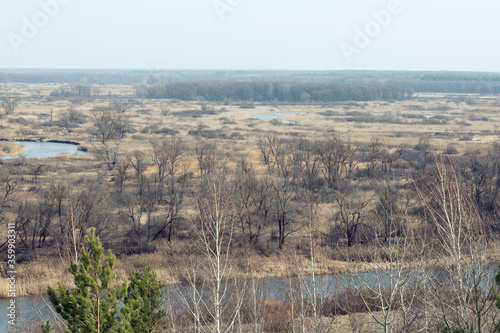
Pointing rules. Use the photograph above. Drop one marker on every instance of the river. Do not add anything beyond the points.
(44, 149)
(37, 308)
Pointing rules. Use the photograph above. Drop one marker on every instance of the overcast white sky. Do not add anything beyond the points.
(251, 34)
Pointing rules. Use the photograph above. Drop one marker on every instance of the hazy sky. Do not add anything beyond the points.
(251, 34)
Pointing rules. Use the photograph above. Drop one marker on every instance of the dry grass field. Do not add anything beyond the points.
(458, 119)
(462, 122)
(452, 124)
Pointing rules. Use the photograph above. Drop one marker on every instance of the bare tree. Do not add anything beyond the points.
(80, 210)
(391, 291)
(9, 184)
(205, 156)
(121, 173)
(107, 153)
(9, 103)
(283, 195)
(165, 156)
(205, 107)
(391, 211)
(350, 215)
(34, 219)
(133, 210)
(481, 173)
(172, 203)
(141, 212)
(462, 291)
(58, 194)
(27, 224)
(285, 172)
(256, 306)
(308, 289)
(373, 156)
(149, 205)
(253, 202)
(424, 145)
(108, 125)
(71, 119)
(192, 296)
(119, 106)
(138, 162)
(149, 217)
(337, 157)
(270, 147)
(307, 160)
(216, 234)
(264, 150)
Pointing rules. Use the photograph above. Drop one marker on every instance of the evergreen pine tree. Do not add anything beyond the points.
(46, 328)
(92, 306)
(143, 301)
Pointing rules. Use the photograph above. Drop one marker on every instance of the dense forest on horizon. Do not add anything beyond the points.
(418, 81)
(272, 91)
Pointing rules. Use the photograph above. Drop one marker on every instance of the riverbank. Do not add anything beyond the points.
(172, 265)
(34, 277)
(11, 149)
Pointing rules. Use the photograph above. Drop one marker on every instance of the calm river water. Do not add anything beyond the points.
(44, 149)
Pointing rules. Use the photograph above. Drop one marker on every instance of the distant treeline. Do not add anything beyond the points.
(419, 81)
(273, 91)
(464, 87)
(75, 90)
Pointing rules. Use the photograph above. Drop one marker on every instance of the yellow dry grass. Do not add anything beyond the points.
(11, 149)
(169, 259)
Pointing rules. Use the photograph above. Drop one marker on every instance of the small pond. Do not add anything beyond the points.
(43, 149)
(275, 116)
